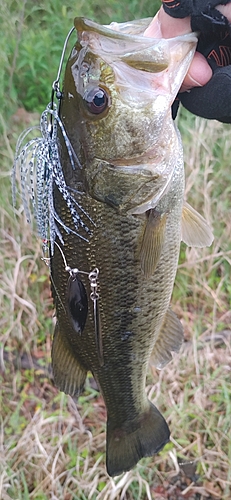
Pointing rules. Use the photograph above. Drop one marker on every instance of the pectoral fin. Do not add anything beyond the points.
(195, 230)
(170, 339)
(69, 376)
(153, 241)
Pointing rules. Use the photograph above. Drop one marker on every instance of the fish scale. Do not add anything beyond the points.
(131, 186)
(123, 302)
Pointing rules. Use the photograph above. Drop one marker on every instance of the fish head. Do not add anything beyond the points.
(116, 109)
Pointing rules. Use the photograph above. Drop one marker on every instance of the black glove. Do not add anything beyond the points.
(204, 15)
(213, 100)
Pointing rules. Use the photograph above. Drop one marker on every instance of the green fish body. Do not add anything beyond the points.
(116, 111)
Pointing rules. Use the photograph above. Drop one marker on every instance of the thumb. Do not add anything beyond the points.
(199, 73)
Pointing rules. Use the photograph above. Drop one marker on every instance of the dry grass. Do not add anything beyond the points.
(52, 449)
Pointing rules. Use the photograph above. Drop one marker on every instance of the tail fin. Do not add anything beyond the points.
(135, 439)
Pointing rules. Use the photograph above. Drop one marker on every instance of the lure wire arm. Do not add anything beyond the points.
(55, 86)
(94, 296)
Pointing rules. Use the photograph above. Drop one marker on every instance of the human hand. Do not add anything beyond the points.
(165, 26)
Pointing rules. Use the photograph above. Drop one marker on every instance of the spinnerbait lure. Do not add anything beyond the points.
(40, 170)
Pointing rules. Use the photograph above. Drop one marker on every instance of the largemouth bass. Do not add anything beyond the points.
(117, 202)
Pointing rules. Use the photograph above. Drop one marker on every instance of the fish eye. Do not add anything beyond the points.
(96, 100)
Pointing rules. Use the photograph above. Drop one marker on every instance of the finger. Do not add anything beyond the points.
(225, 10)
(199, 73)
(165, 26)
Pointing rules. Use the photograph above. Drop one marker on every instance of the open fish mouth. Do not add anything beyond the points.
(131, 53)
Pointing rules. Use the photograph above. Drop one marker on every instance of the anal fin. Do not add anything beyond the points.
(170, 338)
(69, 375)
(195, 230)
(153, 241)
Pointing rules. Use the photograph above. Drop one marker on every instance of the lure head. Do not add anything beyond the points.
(116, 109)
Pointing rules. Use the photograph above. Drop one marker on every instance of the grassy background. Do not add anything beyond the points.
(51, 448)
